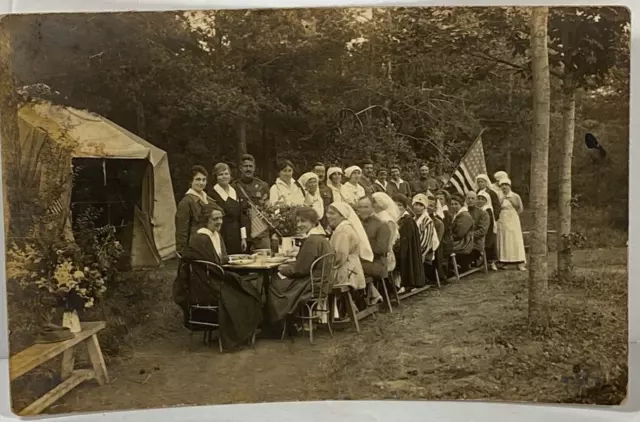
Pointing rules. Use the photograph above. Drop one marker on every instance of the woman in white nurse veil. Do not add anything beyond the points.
(387, 211)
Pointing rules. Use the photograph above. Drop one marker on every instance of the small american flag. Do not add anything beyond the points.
(471, 165)
(55, 208)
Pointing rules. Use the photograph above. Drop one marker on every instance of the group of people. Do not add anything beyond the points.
(377, 227)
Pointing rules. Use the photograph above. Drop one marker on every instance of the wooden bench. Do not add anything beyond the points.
(344, 291)
(413, 292)
(472, 270)
(39, 354)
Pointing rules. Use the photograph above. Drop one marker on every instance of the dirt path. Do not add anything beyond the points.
(467, 340)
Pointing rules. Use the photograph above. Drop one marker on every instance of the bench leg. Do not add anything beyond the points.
(386, 295)
(353, 313)
(455, 267)
(395, 293)
(484, 262)
(68, 362)
(97, 360)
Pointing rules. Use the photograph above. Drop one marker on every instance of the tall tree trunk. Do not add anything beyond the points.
(509, 165)
(565, 267)
(538, 281)
(242, 138)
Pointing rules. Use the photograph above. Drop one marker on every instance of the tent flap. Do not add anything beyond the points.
(86, 135)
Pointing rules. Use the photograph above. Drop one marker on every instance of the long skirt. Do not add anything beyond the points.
(285, 296)
(510, 241)
(490, 247)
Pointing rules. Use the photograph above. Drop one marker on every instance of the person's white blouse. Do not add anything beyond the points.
(352, 193)
(284, 194)
(215, 239)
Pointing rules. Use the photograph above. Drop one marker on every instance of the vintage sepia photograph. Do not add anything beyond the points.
(275, 205)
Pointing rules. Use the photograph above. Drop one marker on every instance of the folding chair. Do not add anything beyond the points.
(321, 276)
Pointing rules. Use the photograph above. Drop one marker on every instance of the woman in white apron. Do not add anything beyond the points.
(510, 241)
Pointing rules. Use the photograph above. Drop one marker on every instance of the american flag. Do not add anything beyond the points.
(471, 165)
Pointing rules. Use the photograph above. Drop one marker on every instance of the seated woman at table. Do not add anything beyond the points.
(240, 308)
(286, 294)
(350, 244)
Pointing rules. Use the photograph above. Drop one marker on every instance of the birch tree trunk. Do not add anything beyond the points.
(538, 282)
(508, 166)
(565, 266)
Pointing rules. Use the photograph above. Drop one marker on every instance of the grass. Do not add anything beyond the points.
(480, 346)
(604, 227)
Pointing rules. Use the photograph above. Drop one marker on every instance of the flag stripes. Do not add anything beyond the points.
(55, 208)
(471, 165)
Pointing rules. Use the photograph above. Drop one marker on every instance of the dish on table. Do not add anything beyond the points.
(242, 262)
(277, 259)
(237, 256)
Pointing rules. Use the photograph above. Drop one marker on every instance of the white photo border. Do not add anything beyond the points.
(406, 411)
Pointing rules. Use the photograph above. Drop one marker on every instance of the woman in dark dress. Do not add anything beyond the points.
(189, 212)
(461, 232)
(490, 241)
(233, 230)
(240, 308)
(407, 248)
(286, 294)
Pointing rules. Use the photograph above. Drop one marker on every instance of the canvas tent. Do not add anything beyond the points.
(113, 170)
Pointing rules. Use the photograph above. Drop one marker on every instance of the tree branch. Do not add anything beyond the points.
(428, 141)
(486, 56)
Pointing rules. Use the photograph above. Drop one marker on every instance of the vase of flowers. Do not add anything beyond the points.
(74, 272)
(71, 320)
(283, 219)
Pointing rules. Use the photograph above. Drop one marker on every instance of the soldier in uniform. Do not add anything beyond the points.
(425, 182)
(249, 187)
(325, 191)
(368, 175)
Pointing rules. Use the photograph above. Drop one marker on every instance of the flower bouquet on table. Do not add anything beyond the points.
(284, 225)
(75, 273)
(283, 219)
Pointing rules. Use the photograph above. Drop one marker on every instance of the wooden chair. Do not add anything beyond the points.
(321, 276)
(204, 315)
(344, 290)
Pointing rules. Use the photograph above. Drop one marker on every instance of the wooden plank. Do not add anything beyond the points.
(97, 360)
(371, 309)
(36, 355)
(414, 292)
(471, 271)
(56, 393)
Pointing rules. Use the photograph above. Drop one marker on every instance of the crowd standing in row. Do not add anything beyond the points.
(377, 225)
